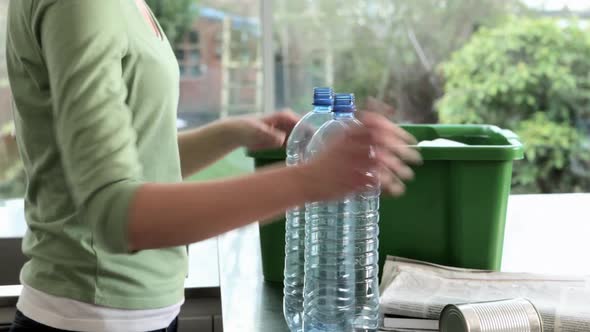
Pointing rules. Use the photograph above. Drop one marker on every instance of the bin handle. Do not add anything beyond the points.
(510, 136)
(513, 138)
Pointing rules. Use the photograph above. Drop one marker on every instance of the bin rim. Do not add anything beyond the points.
(513, 150)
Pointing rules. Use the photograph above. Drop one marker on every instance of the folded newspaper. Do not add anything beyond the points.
(418, 289)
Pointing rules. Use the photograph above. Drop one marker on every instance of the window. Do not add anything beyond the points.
(415, 61)
(221, 70)
(12, 182)
(217, 50)
(188, 54)
(193, 37)
(489, 61)
(219, 60)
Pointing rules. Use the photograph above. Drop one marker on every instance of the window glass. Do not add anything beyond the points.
(214, 42)
(520, 65)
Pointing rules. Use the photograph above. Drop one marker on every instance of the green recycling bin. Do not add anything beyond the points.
(453, 212)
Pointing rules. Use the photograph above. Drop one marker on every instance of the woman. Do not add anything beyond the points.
(95, 88)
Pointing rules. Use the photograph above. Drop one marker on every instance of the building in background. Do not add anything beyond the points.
(4, 92)
(209, 88)
(220, 67)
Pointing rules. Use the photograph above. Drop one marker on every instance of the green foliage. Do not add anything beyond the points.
(175, 16)
(549, 148)
(533, 76)
(381, 48)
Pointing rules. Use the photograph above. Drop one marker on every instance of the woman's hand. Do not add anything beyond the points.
(266, 132)
(361, 156)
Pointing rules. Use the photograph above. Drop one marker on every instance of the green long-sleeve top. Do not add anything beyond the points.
(95, 96)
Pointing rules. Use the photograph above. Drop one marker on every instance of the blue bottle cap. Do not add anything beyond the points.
(323, 96)
(344, 103)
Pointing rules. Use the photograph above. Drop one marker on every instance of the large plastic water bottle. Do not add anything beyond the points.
(300, 137)
(364, 210)
(341, 281)
(341, 286)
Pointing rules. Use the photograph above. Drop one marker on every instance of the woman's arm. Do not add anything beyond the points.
(164, 215)
(203, 146)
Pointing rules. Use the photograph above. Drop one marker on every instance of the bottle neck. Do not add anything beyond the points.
(343, 115)
(322, 109)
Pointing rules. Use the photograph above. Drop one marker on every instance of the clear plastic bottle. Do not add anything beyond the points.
(330, 243)
(364, 210)
(300, 137)
(341, 263)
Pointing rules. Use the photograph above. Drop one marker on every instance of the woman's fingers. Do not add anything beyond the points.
(370, 144)
(395, 165)
(387, 135)
(367, 155)
(398, 148)
(390, 183)
(380, 123)
(283, 120)
(266, 137)
(397, 188)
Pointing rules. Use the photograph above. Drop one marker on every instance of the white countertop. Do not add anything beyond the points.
(548, 234)
(12, 218)
(544, 234)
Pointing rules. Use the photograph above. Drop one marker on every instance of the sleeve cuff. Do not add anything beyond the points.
(108, 214)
